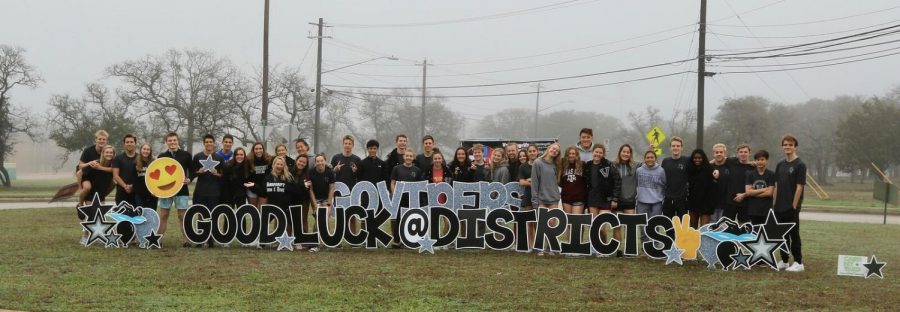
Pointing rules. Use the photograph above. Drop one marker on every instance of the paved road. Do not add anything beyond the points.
(806, 215)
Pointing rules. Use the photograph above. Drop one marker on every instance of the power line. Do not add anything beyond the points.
(814, 22)
(819, 42)
(813, 62)
(804, 52)
(524, 93)
(523, 82)
(750, 31)
(532, 66)
(758, 76)
(808, 67)
(548, 7)
(806, 35)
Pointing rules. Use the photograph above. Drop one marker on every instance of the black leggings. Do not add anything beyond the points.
(793, 237)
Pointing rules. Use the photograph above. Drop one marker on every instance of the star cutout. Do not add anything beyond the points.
(285, 241)
(209, 163)
(153, 240)
(741, 259)
(112, 240)
(777, 231)
(763, 249)
(97, 229)
(89, 211)
(674, 255)
(874, 267)
(426, 244)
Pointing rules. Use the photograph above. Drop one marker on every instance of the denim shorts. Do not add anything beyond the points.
(180, 201)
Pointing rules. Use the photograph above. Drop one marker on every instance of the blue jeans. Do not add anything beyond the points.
(651, 210)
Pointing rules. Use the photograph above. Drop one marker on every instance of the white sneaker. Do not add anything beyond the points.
(781, 265)
(796, 267)
(84, 241)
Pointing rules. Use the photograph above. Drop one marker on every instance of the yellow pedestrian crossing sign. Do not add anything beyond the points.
(656, 136)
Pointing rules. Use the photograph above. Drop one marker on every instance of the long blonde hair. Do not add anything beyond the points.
(285, 173)
(103, 161)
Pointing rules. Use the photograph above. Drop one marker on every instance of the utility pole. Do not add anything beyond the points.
(701, 73)
(537, 104)
(265, 73)
(424, 75)
(318, 89)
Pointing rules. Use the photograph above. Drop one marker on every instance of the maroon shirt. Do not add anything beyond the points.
(574, 187)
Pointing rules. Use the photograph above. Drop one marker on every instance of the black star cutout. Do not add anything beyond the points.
(776, 231)
(762, 249)
(874, 267)
(153, 240)
(88, 212)
(112, 240)
(741, 259)
(97, 229)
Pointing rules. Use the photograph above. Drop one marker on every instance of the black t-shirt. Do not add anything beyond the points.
(89, 154)
(279, 192)
(259, 170)
(101, 181)
(140, 185)
(759, 206)
(720, 186)
(373, 169)
(676, 176)
(183, 158)
(207, 183)
(480, 173)
(737, 179)
(460, 172)
(321, 182)
(346, 174)
(127, 170)
(513, 168)
(422, 161)
(524, 173)
(407, 174)
(787, 175)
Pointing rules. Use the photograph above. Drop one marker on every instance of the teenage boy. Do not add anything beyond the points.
(124, 171)
(675, 202)
(180, 200)
(512, 158)
(372, 168)
(736, 206)
(346, 166)
(90, 158)
(585, 144)
(721, 176)
(395, 157)
(790, 178)
(207, 192)
(759, 186)
(423, 160)
(227, 142)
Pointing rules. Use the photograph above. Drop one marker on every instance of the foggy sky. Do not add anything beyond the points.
(72, 42)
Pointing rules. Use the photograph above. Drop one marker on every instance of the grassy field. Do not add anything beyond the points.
(44, 268)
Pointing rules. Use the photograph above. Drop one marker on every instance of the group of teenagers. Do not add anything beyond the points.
(579, 179)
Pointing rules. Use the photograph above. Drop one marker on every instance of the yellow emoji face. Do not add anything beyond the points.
(164, 177)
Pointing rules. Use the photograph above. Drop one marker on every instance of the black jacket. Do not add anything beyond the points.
(604, 183)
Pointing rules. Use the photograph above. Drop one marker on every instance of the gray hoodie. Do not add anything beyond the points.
(629, 185)
(500, 173)
(651, 184)
(544, 188)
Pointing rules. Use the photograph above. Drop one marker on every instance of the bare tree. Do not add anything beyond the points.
(14, 72)
(73, 121)
(182, 89)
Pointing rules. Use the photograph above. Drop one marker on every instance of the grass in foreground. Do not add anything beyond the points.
(44, 268)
